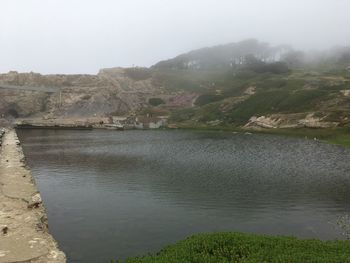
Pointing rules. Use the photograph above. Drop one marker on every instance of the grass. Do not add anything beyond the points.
(249, 248)
(338, 136)
(340, 140)
(276, 101)
(189, 80)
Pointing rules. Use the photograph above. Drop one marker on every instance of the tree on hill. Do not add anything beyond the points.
(223, 56)
(155, 101)
(294, 58)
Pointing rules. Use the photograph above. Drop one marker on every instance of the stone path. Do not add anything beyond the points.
(24, 235)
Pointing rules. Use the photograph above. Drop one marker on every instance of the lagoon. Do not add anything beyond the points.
(113, 195)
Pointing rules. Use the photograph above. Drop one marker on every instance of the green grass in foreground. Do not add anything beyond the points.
(249, 248)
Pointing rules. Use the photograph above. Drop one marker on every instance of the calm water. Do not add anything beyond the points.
(111, 195)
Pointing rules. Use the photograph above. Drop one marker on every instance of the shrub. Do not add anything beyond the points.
(156, 101)
(86, 97)
(249, 248)
(182, 115)
(208, 98)
(138, 73)
(275, 67)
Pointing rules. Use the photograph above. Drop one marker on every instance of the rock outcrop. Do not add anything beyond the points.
(283, 121)
(110, 91)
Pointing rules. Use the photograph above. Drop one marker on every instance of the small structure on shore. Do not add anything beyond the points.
(348, 69)
(150, 122)
(127, 122)
(137, 122)
(119, 120)
(114, 127)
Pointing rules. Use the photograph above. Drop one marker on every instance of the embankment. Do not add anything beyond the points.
(24, 235)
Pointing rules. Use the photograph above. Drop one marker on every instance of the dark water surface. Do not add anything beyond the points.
(111, 195)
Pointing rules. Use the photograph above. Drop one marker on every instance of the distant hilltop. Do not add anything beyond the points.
(235, 54)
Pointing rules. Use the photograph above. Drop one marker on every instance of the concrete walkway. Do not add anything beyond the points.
(24, 235)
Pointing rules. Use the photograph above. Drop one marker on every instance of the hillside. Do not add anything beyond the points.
(253, 85)
(248, 84)
(289, 100)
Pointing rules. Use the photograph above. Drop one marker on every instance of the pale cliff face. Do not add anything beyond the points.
(111, 91)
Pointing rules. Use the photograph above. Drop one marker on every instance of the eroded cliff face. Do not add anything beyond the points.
(19, 103)
(108, 92)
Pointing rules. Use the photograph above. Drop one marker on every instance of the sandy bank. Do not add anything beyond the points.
(24, 235)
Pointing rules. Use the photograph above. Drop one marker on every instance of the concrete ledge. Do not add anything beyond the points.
(24, 235)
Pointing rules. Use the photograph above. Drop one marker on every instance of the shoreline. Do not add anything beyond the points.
(24, 233)
(335, 136)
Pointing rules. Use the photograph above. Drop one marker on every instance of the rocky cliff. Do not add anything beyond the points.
(111, 91)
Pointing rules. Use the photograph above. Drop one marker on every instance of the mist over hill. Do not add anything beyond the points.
(248, 83)
(248, 51)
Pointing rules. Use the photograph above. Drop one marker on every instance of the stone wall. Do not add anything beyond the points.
(24, 234)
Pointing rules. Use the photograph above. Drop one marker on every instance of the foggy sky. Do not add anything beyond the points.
(82, 36)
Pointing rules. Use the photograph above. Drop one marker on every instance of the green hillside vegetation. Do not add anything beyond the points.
(249, 248)
(291, 85)
(155, 101)
(279, 101)
(273, 94)
(237, 81)
(190, 80)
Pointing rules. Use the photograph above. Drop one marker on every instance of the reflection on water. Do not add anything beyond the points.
(115, 194)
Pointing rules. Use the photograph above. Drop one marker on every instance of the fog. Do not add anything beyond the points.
(82, 36)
